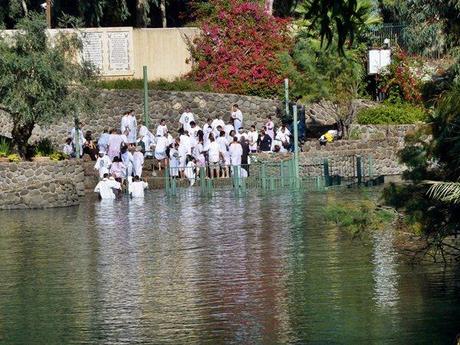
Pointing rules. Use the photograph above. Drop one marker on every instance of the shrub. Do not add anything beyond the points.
(359, 218)
(14, 158)
(238, 50)
(44, 148)
(4, 147)
(57, 156)
(400, 81)
(391, 114)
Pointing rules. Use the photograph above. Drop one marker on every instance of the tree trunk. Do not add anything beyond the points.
(24, 8)
(142, 13)
(21, 135)
(163, 13)
(269, 6)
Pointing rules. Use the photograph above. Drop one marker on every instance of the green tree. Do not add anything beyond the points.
(433, 154)
(40, 82)
(339, 21)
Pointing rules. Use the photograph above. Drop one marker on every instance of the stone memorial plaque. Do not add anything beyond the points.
(93, 49)
(118, 49)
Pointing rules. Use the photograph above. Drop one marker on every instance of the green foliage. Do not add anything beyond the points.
(44, 148)
(445, 191)
(391, 114)
(317, 74)
(359, 218)
(4, 147)
(432, 154)
(340, 21)
(164, 85)
(14, 158)
(40, 82)
(57, 156)
(431, 27)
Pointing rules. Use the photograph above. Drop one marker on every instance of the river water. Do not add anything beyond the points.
(264, 269)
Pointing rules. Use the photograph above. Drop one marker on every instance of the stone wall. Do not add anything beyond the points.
(41, 184)
(162, 104)
(380, 132)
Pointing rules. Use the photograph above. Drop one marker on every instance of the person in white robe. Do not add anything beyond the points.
(207, 129)
(129, 127)
(146, 139)
(103, 142)
(185, 149)
(218, 122)
(185, 119)
(128, 160)
(214, 156)
(235, 151)
(162, 129)
(137, 187)
(237, 117)
(78, 140)
(174, 160)
(160, 151)
(67, 149)
(190, 171)
(106, 186)
(138, 161)
(102, 164)
(270, 127)
(223, 149)
(253, 136)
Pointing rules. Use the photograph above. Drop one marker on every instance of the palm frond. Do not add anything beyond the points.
(445, 191)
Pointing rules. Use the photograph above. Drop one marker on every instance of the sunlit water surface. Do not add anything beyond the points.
(190, 270)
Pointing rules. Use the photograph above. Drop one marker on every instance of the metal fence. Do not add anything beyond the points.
(346, 171)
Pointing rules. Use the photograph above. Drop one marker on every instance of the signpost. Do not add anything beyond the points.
(286, 95)
(146, 98)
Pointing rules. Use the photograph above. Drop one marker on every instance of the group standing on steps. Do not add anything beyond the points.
(216, 146)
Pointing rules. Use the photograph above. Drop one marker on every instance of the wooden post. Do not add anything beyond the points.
(48, 13)
(146, 98)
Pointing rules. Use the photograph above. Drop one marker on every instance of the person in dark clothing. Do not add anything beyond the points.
(244, 157)
(90, 147)
(265, 141)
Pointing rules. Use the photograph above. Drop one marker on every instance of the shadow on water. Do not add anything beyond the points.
(265, 269)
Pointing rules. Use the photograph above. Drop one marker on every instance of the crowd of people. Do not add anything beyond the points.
(217, 146)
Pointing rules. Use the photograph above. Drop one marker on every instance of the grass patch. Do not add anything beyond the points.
(359, 218)
(161, 85)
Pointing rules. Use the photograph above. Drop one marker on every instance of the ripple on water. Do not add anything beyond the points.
(192, 270)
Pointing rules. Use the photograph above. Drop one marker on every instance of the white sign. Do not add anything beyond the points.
(378, 59)
(118, 48)
(93, 49)
(110, 50)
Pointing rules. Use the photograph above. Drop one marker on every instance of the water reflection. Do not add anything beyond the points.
(188, 270)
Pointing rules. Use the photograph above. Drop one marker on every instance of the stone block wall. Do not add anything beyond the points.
(162, 104)
(41, 184)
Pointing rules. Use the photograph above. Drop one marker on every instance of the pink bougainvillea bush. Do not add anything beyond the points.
(238, 50)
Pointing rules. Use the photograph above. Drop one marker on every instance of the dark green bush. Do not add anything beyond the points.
(391, 114)
(164, 85)
(44, 148)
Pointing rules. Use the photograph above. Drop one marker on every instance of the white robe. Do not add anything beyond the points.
(103, 165)
(105, 188)
(216, 123)
(185, 120)
(237, 117)
(127, 159)
(138, 163)
(81, 140)
(236, 151)
(136, 189)
(129, 128)
(190, 172)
